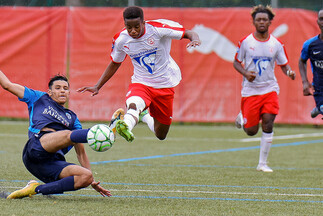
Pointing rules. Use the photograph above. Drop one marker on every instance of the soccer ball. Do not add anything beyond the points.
(100, 138)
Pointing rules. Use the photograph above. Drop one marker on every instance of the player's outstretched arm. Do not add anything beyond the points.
(84, 161)
(14, 88)
(193, 37)
(107, 74)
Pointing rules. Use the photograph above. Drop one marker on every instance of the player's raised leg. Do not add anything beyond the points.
(54, 141)
(135, 105)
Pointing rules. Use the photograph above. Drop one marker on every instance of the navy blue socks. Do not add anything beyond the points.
(79, 136)
(57, 187)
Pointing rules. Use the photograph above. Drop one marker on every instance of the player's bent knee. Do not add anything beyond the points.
(84, 180)
(140, 104)
(251, 133)
(161, 136)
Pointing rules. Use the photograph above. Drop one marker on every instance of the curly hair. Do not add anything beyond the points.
(262, 9)
(133, 12)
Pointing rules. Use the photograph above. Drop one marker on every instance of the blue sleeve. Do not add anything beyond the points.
(30, 96)
(77, 124)
(305, 51)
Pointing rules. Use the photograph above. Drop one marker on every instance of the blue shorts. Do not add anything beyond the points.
(42, 164)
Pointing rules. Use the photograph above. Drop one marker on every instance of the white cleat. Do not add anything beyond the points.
(239, 121)
(264, 168)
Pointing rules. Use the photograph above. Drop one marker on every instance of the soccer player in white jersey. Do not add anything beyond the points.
(255, 61)
(148, 44)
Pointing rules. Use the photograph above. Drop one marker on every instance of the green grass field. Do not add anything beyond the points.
(197, 170)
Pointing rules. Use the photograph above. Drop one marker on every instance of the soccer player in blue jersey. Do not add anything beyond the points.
(313, 50)
(53, 131)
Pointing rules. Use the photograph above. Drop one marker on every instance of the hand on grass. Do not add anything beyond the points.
(104, 192)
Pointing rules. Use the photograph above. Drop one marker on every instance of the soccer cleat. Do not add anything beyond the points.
(264, 168)
(239, 121)
(142, 114)
(27, 191)
(117, 115)
(123, 129)
(315, 111)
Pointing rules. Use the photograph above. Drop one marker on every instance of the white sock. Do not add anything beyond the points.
(265, 144)
(130, 121)
(149, 121)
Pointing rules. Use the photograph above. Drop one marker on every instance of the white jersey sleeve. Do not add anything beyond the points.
(117, 53)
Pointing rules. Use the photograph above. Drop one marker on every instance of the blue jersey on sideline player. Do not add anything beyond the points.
(313, 50)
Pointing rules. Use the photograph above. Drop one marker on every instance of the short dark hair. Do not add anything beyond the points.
(133, 12)
(262, 9)
(55, 78)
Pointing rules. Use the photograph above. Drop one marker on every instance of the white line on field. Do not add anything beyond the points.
(294, 136)
(218, 192)
(200, 192)
(207, 139)
(254, 139)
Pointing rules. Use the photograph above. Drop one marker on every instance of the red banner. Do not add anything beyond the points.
(32, 49)
(38, 42)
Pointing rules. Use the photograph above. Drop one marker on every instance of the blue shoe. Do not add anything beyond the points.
(315, 112)
(123, 130)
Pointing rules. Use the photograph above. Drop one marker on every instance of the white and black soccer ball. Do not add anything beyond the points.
(100, 138)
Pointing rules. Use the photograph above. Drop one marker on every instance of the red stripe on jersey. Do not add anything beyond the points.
(239, 45)
(284, 50)
(115, 37)
(162, 25)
